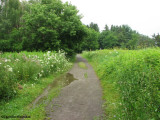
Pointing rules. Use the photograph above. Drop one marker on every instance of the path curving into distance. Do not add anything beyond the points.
(81, 99)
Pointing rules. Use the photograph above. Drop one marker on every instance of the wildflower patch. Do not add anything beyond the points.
(19, 68)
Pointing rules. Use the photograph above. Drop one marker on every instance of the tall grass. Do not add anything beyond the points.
(130, 81)
(19, 68)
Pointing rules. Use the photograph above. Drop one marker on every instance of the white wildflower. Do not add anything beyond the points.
(9, 60)
(8, 66)
(48, 52)
(10, 69)
(36, 78)
(14, 91)
(17, 60)
(40, 75)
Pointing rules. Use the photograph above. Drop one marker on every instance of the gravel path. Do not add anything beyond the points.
(80, 100)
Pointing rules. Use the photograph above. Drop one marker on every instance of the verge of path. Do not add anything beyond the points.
(80, 100)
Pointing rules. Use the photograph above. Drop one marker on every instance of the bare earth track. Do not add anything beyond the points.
(80, 100)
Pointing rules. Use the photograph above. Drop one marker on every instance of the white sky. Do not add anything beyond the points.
(141, 15)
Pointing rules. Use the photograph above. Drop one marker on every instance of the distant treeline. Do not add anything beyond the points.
(41, 25)
(121, 37)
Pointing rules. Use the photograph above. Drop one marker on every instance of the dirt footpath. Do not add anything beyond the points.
(81, 99)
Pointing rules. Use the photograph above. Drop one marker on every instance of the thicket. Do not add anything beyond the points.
(130, 81)
(27, 67)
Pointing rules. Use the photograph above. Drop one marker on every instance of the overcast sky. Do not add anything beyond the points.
(141, 15)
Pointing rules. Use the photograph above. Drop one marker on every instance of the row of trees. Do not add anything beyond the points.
(40, 25)
(120, 36)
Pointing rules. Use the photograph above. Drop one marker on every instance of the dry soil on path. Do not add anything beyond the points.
(81, 99)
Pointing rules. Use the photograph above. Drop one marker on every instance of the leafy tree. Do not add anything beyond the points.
(106, 27)
(145, 41)
(39, 29)
(72, 31)
(132, 43)
(157, 39)
(94, 26)
(10, 16)
(91, 40)
(107, 39)
(52, 25)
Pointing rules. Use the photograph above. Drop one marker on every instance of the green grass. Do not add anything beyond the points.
(85, 75)
(130, 81)
(82, 65)
(21, 104)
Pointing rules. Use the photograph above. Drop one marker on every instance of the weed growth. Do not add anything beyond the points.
(20, 68)
(130, 82)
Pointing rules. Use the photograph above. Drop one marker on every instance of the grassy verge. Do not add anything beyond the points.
(130, 82)
(21, 104)
(28, 84)
(18, 106)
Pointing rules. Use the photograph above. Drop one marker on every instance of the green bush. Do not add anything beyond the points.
(7, 81)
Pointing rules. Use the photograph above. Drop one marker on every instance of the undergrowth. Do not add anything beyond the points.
(130, 81)
(23, 77)
(20, 68)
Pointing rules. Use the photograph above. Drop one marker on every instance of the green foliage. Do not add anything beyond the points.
(10, 14)
(145, 41)
(40, 29)
(157, 39)
(130, 81)
(91, 40)
(40, 26)
(72, 32)
(108, 39)
(5, 45)
(21, 104)
(52, 26)
(27, 67)
(93, 26)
